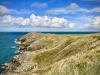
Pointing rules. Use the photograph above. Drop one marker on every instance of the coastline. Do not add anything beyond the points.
(18, 57)
(4, 66)
(33, 43)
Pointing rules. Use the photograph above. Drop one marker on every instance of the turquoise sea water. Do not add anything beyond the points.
(7, 44)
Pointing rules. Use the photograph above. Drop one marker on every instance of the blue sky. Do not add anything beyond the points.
(49, 15)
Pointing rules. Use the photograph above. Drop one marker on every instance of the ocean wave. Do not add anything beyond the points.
(17, 42)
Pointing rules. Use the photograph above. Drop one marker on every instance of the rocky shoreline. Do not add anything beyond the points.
(47, 54)
(18, 60)
(23, 61)
(5, 67)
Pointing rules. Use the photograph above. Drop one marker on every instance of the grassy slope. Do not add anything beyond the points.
(64, 54)
(76, 55)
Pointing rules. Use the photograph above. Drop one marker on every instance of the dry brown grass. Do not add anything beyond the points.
(64, 54)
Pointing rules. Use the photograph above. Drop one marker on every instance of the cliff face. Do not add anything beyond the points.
(49, 54)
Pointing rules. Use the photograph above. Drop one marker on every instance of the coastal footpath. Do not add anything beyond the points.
(51, 54)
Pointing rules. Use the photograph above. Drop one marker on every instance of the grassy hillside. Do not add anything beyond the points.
(59, 54)
(76, 55)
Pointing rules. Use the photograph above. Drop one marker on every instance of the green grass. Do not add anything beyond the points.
(85, 64)
(65, 54)
(80, 48)
(48, 57)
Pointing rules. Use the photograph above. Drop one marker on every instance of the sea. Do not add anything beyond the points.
(8, 44)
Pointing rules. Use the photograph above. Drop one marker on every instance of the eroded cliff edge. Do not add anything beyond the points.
(50, 54)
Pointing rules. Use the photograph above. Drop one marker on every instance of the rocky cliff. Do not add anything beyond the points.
(50, 54)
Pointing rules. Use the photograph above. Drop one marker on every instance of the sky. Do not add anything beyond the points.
(49, 15)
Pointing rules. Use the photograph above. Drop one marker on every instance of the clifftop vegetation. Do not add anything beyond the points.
(50, 54)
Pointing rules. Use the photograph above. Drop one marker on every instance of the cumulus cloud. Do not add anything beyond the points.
(5, 19)
(14, 20)
(50, 12)
(96, 22)
(72, 6)
(35, 21)
(45, 21)
(4, 10)
(39, 5)
(71, 25)
(20, 21)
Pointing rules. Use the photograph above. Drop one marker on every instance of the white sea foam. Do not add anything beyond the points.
(18, 48)
(13, 47)
(17, 42)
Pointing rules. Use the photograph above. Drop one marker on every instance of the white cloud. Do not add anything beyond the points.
(85, 18)
(20, 21)
(97, 9)
(71, 25)
(64, 11)
(14, 11)
(50, 12)
(35, 21)
(22, 11)
(59, 22)
(4, 10)
(17, 21)
(5, 19)
(45, 21)
(60, 11)
(26, 22)
(85, 26)
(72, 6)
(96, 22)
(39, 5)
(26, 11)
(14, 20)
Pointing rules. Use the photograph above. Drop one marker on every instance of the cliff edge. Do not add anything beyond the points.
(50, 54)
